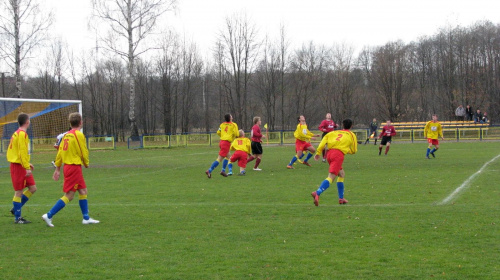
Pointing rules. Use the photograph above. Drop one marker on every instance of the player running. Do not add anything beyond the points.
(387, 132)
(339, 143)
(432, 131)
(228, 131)
(302, 142)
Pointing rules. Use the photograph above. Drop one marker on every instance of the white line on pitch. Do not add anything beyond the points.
(465, 184)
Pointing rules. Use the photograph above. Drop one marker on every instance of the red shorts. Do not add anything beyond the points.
(18, 176)
(241, 157)
(335, 158)
(433, 141)
(73, 178)
(301, 145)
(224, 148)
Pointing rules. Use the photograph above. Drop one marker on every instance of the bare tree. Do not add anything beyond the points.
(24, 28)
(130, 23)
(239, 39)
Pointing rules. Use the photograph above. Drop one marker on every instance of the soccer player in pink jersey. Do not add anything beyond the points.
(256, 137)
(326, 126)
(339, 143)
(387, 132)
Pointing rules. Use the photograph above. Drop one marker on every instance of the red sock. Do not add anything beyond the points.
(387, 149)
(257, 162)
(250, 158)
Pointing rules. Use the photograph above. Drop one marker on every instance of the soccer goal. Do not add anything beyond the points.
(49, 118)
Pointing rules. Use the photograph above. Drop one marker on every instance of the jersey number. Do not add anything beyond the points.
(240, 142)
(338, 138)
(66, 144)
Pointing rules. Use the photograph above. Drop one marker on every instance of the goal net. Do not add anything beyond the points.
(48, 119)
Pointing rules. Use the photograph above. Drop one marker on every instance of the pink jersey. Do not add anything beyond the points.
(256, 134)
(388, 130)
(327, 126)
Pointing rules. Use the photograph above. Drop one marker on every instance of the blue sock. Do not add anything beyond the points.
(24, 199)
(433, 150)
(213, 166)
(17, 209)
(324, 185)
(56, 208)
(230, 167)
(309, 155)
(224, 164)
(340, 189)
(302, 156)
(428, 151)
(294, 159)
(84, 206)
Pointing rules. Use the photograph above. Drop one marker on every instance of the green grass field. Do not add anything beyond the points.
(161, 218)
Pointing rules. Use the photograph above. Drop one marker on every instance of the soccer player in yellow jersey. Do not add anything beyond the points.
(73, 153)
(228, 131)
(432, 131)
(302, 142)
(339, 143)
(242, 148)
(20, 168)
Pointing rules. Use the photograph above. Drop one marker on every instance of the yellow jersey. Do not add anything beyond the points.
(342, 140)
(73, 149)
(18, 149)
(241, 144)
(228, 131)
(433, 130)
(302, 133)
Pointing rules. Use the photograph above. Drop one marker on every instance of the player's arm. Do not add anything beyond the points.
(23, 143)
(394, 132)
(354, 144)
(426, 128)
(322, 126)
(83, 147)
(321, 146)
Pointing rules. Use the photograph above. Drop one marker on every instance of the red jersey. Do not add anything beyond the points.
(256, 134)
(388, 130)
(327, 126)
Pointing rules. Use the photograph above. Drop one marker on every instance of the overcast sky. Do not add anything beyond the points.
(355, 22)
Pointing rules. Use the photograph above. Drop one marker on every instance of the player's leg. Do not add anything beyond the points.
(298, 155)
(60, 204)
(16, 204)
(340, 187)
(213, 166)
(387, 147)
(429, 141)
(84, 207)
(436, 147)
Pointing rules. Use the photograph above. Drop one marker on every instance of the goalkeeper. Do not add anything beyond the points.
(339, 143)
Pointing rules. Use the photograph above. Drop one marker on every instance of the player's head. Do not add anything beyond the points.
(347, 123)
(242, 133)
(301, 118)
(228, 117)
(328, 116)
(75, 120)
(388, 122)
(374, 120)
(256, 120)
(434, 117)
(23, 119)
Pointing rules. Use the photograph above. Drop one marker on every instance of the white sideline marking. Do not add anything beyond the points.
(465, 184)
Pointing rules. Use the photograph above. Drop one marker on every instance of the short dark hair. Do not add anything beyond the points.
(75, 119)
(347, 123)
(227, 117)
(22, 119)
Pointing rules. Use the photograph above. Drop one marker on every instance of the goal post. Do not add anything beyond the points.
(49, 118)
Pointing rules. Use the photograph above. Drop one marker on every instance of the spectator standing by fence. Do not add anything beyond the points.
(460, 113)
(469, 113)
